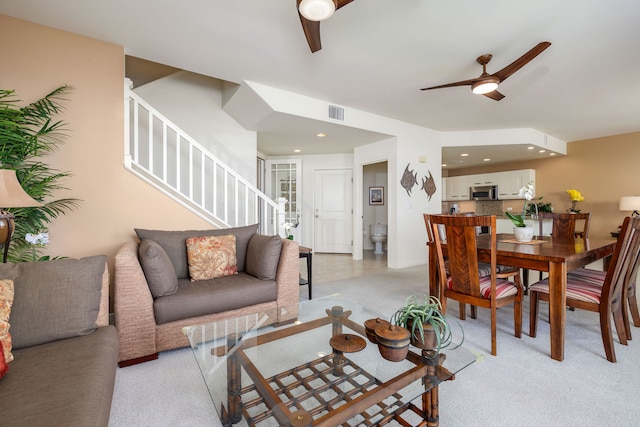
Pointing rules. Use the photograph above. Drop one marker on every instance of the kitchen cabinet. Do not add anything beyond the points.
(510, 183)
(483, 179)
(457, 188)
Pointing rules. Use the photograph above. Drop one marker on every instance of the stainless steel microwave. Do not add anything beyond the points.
(485, 192)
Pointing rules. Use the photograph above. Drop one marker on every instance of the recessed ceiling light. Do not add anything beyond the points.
(321, 135)
(486, 160)
(552, 154)
(297, 150)
(530, 148)
(464, 154)
(444, 165)
(542, 151)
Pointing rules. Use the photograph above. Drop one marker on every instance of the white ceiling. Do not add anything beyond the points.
(377, 54)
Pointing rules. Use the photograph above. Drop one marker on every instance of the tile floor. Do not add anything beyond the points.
(330, 267)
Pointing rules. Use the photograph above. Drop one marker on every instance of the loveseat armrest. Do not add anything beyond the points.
(133, 305)
(288, 280)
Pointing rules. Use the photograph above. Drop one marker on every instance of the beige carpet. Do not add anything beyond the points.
(521, 386)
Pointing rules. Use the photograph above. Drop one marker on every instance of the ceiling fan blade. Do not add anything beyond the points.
(342, 3)
(461, 83)
(494, 95)
(522, 61)
(311, 32)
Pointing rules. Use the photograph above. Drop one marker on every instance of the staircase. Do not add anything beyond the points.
(160, 153)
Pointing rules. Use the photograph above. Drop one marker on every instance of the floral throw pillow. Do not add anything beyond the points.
(211, 256)
(6, 301)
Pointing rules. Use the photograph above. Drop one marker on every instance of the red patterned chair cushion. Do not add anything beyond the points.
(504, 288)
(579, 288)
(588, 274)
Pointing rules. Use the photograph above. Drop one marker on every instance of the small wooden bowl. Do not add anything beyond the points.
(370, 328)
(393, 342)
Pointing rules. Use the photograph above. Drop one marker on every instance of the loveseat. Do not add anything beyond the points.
(64, 352)
(158, 290)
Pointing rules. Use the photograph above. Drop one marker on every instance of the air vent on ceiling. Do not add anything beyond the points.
(336, 113)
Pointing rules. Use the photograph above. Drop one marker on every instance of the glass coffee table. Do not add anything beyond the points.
(315, 372)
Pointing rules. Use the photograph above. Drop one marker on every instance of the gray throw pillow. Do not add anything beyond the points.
(174, 244)
(157, 267)
(263, 255)
(54, 299)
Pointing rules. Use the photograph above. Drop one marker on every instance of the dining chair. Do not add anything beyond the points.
(606, 298)
(462, 280)
(598, 277)
(563, 226)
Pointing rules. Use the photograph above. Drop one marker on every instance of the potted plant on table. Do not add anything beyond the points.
(426, 323)
(575, 197)
(522, 231)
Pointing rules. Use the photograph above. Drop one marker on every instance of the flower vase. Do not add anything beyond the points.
(523, 234)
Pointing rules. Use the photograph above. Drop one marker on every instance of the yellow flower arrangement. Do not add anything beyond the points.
(575, 197)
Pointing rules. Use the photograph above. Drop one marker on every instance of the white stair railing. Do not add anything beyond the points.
(163, 155)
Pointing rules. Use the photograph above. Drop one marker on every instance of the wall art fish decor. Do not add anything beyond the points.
(429, 185)
(409, 179)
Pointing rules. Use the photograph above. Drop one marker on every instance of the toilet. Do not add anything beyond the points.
(378, 235)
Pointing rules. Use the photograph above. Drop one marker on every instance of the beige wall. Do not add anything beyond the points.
(602, 169)
(113, 200)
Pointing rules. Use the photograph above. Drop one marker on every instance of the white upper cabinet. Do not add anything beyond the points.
(483, 179)
(510, 183)
(457, 188)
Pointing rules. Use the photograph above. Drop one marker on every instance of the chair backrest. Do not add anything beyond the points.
(564, 224)
(461, 241)
(624, 263)
(443, 235)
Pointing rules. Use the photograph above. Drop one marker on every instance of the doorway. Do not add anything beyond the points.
(374, 180)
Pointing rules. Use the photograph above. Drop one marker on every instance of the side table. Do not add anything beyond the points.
(306, 253)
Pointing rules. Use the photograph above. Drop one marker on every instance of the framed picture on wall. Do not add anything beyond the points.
(376, 195)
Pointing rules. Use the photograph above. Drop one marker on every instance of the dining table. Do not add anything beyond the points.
(554, 256)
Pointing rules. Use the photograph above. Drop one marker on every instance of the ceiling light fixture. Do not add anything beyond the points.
(486, 85)
(317, 10)
(464, 154)
(321, 135)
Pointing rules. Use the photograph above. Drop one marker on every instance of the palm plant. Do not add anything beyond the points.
(27, 134)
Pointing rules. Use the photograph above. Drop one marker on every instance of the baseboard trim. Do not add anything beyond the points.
(137, 360)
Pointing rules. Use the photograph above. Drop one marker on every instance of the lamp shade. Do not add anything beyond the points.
(11, 193)
(630, 203)
(317, 10)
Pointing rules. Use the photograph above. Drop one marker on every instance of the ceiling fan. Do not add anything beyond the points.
(487, 83)
(311, 13)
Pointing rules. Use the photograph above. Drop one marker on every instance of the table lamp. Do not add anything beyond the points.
(11, 196)
(630, 203)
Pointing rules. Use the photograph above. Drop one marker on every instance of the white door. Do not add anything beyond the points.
(284, 181)
(333, 211)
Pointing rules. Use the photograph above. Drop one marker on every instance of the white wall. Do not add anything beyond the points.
(194, 103)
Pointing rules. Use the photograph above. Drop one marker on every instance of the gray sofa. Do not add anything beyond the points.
(155, 297)
(65, 353)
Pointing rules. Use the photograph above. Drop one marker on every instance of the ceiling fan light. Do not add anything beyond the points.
(486, 85)
(317, 10)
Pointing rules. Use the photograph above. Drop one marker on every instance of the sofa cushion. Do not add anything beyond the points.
(158, 270)
(62, 383)
(211, 256)
(174, 244)
(54, 299)
(213, 296)
(6, 300)
(263, 255)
